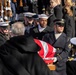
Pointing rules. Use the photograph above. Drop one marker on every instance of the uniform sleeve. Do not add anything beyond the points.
(64, 54)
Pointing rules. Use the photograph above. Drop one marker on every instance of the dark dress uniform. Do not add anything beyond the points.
(71, 63)
(61, 45)
(20, 57)
(37, 34)
(71, 67)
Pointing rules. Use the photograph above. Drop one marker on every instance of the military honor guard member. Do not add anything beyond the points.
(42, 28)
(28, 21)
(36, 19)
(71, 63)
(4, 32)
(58, 40)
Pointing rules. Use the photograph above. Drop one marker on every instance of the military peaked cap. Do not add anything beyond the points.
(59, 22)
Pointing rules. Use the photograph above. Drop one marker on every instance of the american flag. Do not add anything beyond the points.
(47, 51)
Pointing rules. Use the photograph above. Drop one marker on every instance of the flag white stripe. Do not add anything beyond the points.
(45, 47)
(54, 49)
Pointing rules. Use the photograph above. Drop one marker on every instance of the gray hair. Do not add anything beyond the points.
(18, 28)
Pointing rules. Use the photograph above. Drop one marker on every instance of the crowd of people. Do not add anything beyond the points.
(39, 38)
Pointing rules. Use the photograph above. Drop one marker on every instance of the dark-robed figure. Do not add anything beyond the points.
(19, 57)
(55, 11)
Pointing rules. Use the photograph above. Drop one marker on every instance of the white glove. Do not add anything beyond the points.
(55, 59)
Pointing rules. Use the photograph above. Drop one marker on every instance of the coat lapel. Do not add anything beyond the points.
(52, 36)
(57, 42)
(36, 30)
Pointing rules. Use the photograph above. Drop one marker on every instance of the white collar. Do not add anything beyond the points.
(40, 28)
(57, 35)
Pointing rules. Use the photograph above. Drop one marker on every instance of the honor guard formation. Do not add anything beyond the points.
(37, 37)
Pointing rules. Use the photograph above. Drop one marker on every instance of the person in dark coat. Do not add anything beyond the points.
(19, 55)
(28, 21)
(69, 23)
(40, 30)
(71, 63)
(55, 11)
(58, 40)
(23, 58)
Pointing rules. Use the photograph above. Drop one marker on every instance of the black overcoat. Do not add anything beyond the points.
(69, 28)
(71, 68)
(56, 13)
(20, 57)
(2, 39)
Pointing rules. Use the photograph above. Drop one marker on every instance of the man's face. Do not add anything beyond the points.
(4, 30)
(59, 28)
(43, 22)
(28, 20)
